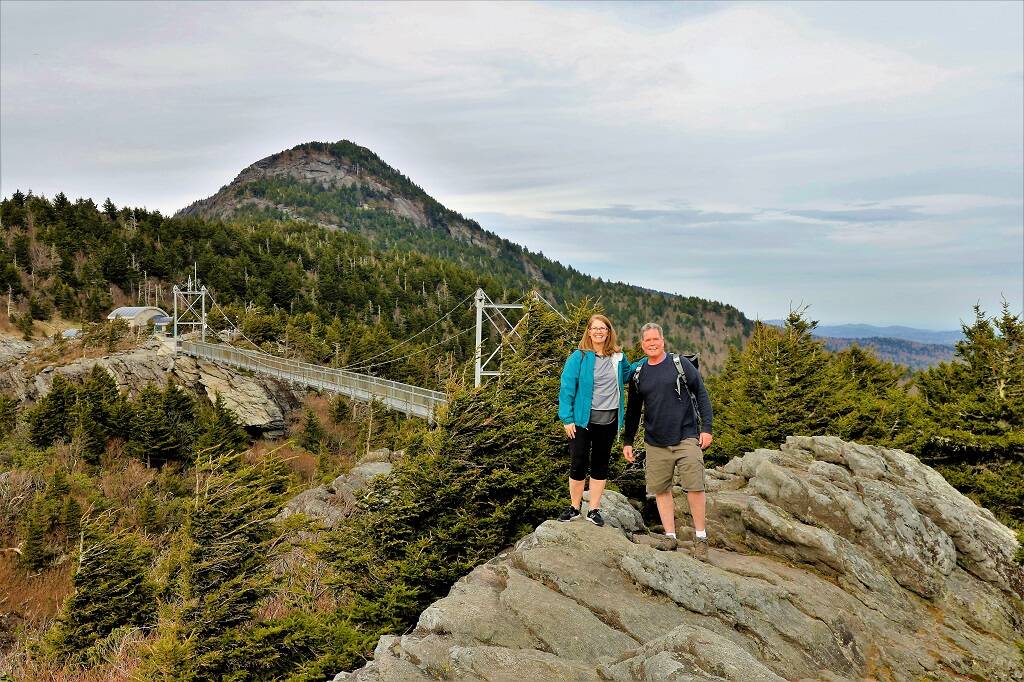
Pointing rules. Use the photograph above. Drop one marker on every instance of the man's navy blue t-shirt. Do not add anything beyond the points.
(668, 416)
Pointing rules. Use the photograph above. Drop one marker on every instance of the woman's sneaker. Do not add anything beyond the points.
(569, 514)
(595, 517)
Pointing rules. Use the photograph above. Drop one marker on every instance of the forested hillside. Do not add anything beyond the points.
(346, 186)
(151, 519)
(910, 354)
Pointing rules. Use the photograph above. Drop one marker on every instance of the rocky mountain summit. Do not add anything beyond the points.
(830, 561)
(336, 168)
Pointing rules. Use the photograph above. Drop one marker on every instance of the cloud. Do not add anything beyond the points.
(745, 67)
(682, 216)
(862, 215)
(766, 150)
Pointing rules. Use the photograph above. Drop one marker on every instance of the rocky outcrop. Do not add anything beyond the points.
(329, 504)
(307, 165)
(260, 403)
(830, 561)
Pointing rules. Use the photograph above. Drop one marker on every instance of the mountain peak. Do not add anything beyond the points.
(343, 186)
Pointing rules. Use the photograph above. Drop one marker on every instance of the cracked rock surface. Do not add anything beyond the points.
(829, 561)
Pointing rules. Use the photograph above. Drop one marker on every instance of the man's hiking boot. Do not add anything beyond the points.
(569, 514)
(594, 515)
(700, 549)
(666, 544)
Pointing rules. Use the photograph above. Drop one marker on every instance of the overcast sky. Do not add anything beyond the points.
(864, 158)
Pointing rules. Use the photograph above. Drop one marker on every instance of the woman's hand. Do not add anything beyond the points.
(627, 452)
(570, 430)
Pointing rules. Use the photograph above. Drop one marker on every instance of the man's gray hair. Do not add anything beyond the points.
(652, 325)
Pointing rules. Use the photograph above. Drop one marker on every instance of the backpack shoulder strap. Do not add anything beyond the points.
(678, 363)
(680, 374)
(636, 373)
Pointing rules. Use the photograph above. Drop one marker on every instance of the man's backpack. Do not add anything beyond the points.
(680, 381)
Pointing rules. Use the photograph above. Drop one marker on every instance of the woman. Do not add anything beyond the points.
(591, 407)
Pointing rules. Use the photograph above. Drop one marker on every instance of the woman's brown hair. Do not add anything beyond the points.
(611, 344)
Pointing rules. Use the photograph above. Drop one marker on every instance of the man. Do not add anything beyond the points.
(671, 433)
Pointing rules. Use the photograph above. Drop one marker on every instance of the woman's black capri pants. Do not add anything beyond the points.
(592, 448)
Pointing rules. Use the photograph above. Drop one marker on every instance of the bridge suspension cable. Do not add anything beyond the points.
(402, 343)
(416, 352)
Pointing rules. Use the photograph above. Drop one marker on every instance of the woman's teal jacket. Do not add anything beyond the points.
(577, 391)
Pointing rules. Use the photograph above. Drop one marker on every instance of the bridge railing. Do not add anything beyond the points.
(406, 398)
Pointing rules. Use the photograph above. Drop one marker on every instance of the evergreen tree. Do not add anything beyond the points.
(8, 414)
(71, 517)
(88, 433)
(868, 404)
(49, 418)
(57, 491)
(145, 511)
(157, 440)
(972, 423)
(974, 408)
(341, 410)
(109, 209)
(492, 471)
(314, 437)
(111, 589)
(35, 553)
(221, 433)
(776, 387)
(24, 325)
(100, 392)
(219, 568)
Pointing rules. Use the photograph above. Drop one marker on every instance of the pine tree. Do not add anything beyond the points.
(974, 408)
(100, 392)
(157, 440)
(219, 567)
(341, 410)
(35, 553)
(57, 491)
(88, 433)
(49, 419)
(145, 511)
(314, 438)
(112, 589)
(221, 433)
(776, 387)
(868, 404)
(71, 517)
(8, 414)
(972, 423)
(494, 468)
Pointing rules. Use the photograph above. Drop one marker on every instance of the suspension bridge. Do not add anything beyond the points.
(189, 322)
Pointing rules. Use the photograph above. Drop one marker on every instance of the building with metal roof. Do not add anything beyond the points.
(137, 316)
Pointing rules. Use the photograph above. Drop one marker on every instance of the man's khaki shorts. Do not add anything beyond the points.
(662, 463)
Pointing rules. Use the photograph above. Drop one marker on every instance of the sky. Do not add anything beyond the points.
(865, 159)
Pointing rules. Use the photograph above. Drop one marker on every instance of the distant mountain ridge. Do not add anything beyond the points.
(899, 351)
(347, 187)
(896, 344)
(864, 331)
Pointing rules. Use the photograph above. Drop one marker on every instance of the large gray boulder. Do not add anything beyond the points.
(328, 505)
(829, 561)
(260, 403)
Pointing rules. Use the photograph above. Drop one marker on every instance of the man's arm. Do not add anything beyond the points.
(696, 385)
(634, 402)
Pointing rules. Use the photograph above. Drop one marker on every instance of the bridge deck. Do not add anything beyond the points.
(413, 400)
